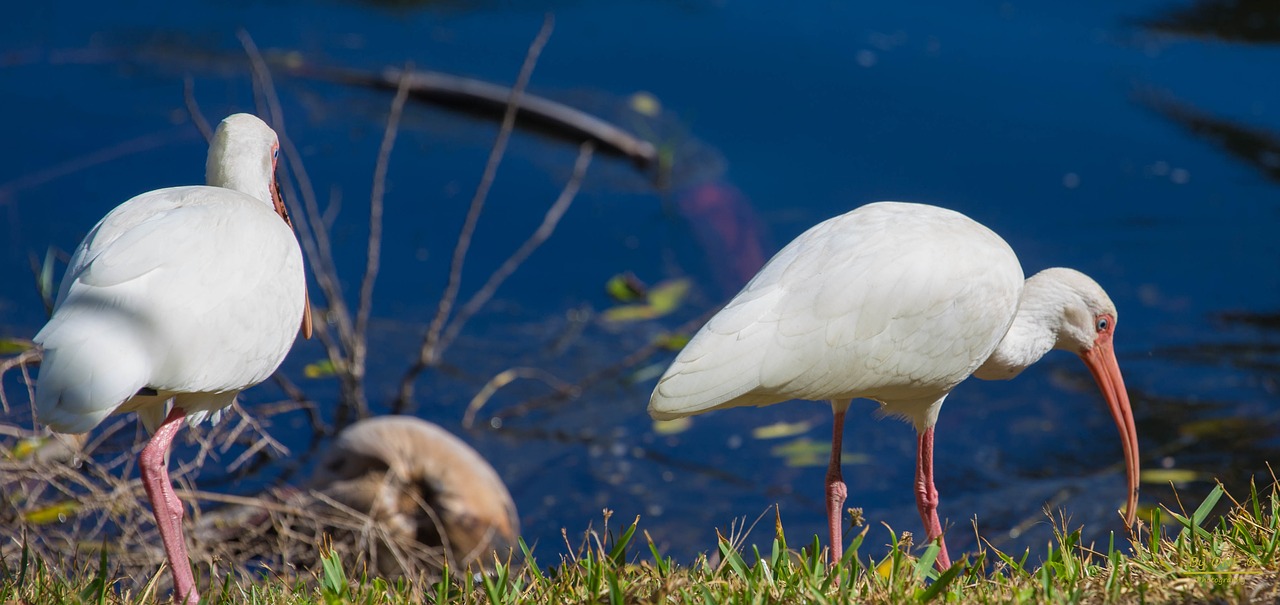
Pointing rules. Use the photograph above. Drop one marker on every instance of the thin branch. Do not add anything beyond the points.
(429, 352)
(482, 190)
(360, 344)
(31, 355)
(193, 108)
(544, 231)
(313, 235)
(100, 156)
(504, 378)
(298, 396)
(563, 396)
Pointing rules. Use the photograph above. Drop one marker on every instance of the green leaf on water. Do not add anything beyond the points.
(1165, 476)
(54, 513)
(668, 295)
(672, 342)
(779, 430)
(646, 373)
(320, 369)
(672, 427)
(805, 452)
(629, 313)
(625, 288)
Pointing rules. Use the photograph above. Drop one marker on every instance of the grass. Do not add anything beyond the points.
(1183, 558)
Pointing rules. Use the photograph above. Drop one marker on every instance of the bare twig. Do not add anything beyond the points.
(313, 235)
(429, 353)
(359, 346)
(544, 231)
(563, 396)
(29, 356)
(91, 159)
(504, 378)
(193, 108)
(299, 397)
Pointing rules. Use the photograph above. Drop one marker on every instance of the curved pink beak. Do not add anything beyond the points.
(1101, 360)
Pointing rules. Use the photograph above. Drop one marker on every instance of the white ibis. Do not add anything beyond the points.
(185, 294)
(420, 483)
(897, 303)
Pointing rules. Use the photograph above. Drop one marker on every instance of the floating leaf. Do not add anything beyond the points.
(320, 369)
(667, 296)
(805, 452)
(1215, 427)
(779, 430)
(672, 342)
(54, 513)
(646, 373)
(626, 287)
(672, 427)
(663, 299)
(629, 313)
(13, 346)
(1171, 475)
(645, 104)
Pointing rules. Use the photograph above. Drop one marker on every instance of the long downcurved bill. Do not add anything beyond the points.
(1101, 361)
(283, 211)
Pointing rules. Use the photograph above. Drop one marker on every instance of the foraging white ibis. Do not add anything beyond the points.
(897, 303)
(185, 294)
(421, 484)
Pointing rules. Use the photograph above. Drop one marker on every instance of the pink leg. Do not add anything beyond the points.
(154, 465)
(836, 490)
(927, 496)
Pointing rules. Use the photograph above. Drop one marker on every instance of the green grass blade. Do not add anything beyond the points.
(941, 583)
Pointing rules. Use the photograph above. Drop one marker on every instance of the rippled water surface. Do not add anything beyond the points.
(1135, 142)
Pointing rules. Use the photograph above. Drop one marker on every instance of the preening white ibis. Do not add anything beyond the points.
(897, 303)
(421, 484)
(185, 295)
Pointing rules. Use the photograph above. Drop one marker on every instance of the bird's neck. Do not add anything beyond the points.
(239, 172)
(1033, 333)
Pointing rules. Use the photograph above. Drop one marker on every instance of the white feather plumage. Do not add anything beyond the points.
(196, 292)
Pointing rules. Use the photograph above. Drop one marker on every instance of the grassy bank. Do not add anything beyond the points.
(1184, 558)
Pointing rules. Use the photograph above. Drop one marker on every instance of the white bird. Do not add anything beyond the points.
(897, 303)
(184, 294)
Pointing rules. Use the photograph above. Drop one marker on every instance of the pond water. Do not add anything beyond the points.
(1081, 132)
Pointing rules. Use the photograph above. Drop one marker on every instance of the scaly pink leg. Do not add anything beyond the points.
(154, 465)
(927, 496)
(836, 490)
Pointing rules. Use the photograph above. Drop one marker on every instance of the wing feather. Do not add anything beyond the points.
(888, 301)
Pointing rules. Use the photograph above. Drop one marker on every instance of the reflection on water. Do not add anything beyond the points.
(1247, 21)
(1250, 144)
(768, 122)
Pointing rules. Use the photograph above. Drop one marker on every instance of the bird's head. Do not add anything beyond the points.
(1088, 315)
(242, 156)
(1087, 328)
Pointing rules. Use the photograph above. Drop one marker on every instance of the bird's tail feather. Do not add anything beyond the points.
(91, 366)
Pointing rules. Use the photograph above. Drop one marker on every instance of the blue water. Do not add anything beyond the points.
(1025, 116)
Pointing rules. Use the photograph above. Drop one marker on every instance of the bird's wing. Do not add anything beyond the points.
(210, 278)
(858, 306)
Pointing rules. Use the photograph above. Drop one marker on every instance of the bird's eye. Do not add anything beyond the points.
(1103, 324)
(275, 152)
